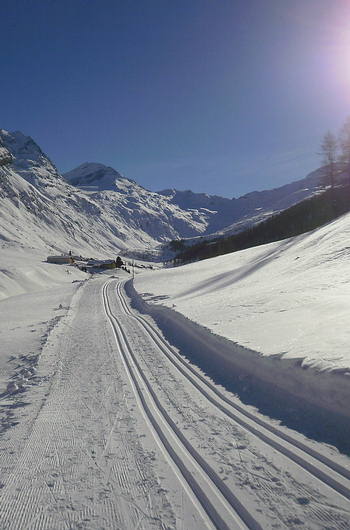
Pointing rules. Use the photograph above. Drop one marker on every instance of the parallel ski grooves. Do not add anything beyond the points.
(321, 467)
(222, 507)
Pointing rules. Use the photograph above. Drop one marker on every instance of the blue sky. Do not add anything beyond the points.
(217, 96)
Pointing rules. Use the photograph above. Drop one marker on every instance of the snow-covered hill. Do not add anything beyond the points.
(283, 308)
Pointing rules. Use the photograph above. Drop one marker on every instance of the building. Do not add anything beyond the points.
(60, 260)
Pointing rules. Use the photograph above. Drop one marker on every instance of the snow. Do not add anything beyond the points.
(288, 302)
(82, 447)
(25, 271)
(31, 294)
(5, 156)
(92, 175)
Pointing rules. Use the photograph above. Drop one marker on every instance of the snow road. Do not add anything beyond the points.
(115, 429)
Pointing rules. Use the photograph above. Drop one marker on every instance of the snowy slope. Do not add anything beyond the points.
(287, 301)
(29, 160)
(5, 156)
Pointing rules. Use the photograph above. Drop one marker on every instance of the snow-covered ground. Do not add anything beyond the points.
(284, 307)
(34, 296)
(104, 424)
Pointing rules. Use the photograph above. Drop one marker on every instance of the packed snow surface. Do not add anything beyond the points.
(34, 296)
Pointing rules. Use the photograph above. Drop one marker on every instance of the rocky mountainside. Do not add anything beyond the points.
(93, 207)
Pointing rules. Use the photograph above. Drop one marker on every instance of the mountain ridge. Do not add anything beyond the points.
(95, 206)
(223, 215)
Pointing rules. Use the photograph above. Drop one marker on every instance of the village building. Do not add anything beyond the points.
(60, 260)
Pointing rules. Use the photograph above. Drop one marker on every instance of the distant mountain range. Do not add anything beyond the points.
(94, 209)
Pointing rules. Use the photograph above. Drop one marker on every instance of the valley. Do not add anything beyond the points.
(211, 395)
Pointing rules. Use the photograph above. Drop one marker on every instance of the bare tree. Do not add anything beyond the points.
(329, 148)
(344, 142)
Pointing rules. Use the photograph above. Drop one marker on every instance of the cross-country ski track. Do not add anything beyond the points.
(117, 430)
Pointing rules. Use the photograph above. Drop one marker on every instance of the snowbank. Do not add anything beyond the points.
(277, 313)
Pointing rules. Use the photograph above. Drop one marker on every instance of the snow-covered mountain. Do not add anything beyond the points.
(39, 208)
(213, 215)
(148, 211)
(5, 156)
(93, 208)
(232, 215)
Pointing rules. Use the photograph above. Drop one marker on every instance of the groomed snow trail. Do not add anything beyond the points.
(118, 432)
(75, 458)
(224, 510)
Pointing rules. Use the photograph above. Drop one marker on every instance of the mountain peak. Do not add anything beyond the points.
(29, 160)
(88, 167)
(93, 175)
(20, 144)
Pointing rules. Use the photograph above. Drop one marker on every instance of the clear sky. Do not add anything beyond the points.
(217, 96)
